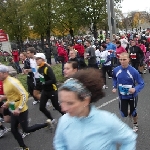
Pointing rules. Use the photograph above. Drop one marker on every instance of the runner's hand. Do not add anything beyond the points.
(114, 90)
(132, 90)
(5, 105)
(16, 112)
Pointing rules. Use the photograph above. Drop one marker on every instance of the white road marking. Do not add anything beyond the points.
(104, 104)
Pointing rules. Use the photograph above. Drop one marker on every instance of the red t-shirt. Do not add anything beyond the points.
(15, 55)
(1, 88)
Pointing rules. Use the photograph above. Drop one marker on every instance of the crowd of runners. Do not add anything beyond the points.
(122, 59)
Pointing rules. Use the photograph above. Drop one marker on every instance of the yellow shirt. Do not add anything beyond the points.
(15, 92)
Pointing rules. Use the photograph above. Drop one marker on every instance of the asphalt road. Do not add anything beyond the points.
(42, 139)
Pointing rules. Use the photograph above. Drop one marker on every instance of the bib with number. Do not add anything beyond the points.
(124, 89)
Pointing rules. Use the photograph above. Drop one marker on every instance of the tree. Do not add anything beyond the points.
(41, 16)
(14, 20)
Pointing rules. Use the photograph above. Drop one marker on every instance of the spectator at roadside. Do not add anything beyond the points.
(15, 54)
(54, 52)
(47, 52)
(62, 54)
(13, 64)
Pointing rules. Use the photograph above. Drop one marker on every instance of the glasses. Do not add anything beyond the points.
(122, 59)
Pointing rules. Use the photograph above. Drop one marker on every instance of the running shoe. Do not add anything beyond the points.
(135, 127)
(1, 120)
(2, 132)
(21, 148)
(105, 87)
(25, 134)
(35, 102)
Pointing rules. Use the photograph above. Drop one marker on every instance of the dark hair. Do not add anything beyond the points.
(88, 41)
(108, 38)
(24, 53)
(93, 81)
(118, 42)
(71, 45)
(104, 46)
(31, 50)
(74, 64)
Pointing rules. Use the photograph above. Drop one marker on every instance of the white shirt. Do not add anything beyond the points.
(98, 54)
(104, 55)
(33, 66)
(124, 42)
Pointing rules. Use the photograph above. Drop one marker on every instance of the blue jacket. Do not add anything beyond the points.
(101, 130)
(111, 46)
(125, 78)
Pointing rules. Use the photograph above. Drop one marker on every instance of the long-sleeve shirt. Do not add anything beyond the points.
(125, 78)
(120, 50)
(15, 92)
(105, 58)
(90, 52)
(100, 130)
(111, 46)
(48, 75)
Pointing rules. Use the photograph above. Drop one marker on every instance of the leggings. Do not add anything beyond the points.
(23, 120)
(107, 69)
(53, 95)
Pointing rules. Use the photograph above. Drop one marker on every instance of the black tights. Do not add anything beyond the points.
(53, 95)
(22, 119)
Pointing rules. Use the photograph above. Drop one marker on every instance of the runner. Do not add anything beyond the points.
(17, 98)
(33, 70)
(49, 88)
(84, 127)
(129, 83)
(70, 68)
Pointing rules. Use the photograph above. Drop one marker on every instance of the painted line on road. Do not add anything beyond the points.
(104, 104)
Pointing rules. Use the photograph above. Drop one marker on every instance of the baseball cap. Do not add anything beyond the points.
(79, 41)
(40, 55)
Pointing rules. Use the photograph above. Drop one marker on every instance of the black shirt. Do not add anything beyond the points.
(49, 77)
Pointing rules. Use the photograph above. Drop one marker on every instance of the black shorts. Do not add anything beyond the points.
(6, 111)
(38, 85)
(123, 106)
(1, 103)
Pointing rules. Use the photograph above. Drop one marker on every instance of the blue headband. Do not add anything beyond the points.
(76, 86)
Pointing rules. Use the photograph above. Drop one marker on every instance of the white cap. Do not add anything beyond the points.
(40, 55)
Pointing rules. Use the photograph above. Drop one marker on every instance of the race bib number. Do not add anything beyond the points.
(133, 55)
(124, 89)
(33, 70)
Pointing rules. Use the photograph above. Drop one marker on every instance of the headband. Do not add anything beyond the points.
(76, 86)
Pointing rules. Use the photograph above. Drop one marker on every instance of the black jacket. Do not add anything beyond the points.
(49, 77)
(139, 53)
(27, 66)
(47, 52)
(80, 61)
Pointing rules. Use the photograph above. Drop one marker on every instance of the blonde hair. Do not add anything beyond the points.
(124, 54)
(74, 51)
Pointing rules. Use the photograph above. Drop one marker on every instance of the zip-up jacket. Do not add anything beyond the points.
(15, 92)
(47, 73)
(136, 54)
(125, 78)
